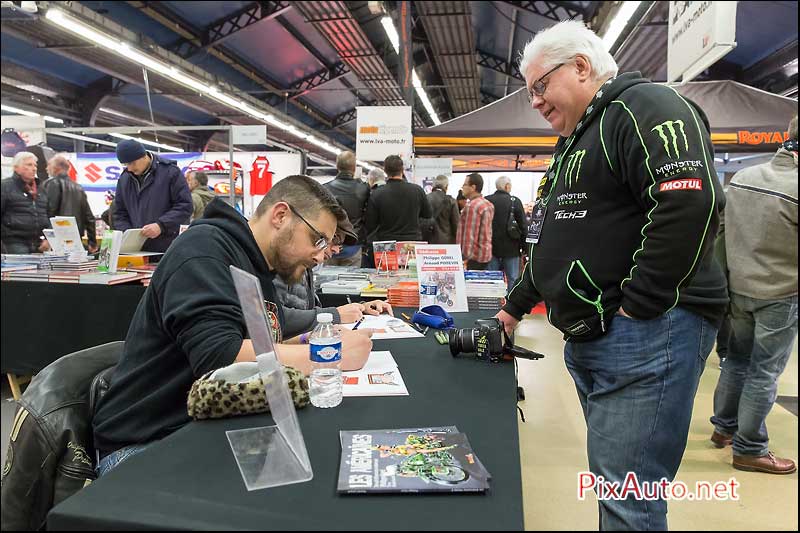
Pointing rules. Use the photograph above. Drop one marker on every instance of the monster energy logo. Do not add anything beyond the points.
(667, 132)
(574, 167)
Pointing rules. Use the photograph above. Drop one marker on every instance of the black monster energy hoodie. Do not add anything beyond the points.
(189, 322)
(632, 208)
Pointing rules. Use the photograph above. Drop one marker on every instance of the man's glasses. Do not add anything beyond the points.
(539, 86)
(322, 241)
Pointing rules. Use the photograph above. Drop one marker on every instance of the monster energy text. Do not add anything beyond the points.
(670, 169)
(571, 198)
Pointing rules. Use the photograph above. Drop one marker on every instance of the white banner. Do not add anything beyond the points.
(700, 33)
(440, 272)
(427, 168)
(382, 131)
(98, 172)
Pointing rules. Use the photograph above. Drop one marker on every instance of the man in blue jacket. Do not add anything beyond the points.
(151, 194)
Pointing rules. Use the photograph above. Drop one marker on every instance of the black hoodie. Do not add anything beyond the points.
(632, 208)
(188, 322)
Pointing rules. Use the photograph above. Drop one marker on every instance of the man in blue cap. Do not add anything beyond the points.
(151, 194)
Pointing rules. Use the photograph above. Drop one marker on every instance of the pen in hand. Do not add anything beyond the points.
(358, 323)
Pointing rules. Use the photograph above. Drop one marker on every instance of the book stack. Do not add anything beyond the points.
(372, 291)
(436, 459)
(104, 278)
(146, 271)
(344, 286)
(404, 294)
(486, 289)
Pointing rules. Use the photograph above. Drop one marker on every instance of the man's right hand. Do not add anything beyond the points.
(509, 322)
(356, 346)
(351, 312)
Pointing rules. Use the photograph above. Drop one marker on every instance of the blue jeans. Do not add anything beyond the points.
(637, 386)
(509, 265)
(114, 459)
(762, 336)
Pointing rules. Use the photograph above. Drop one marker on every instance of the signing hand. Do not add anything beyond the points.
(376, 307)
(151, 231)
(509, 322)
(350, 313)
(355, 349)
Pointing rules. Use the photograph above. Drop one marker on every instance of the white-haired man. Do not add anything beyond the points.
(24, 208)
(621, 252)
(376, 178)
(508, 230)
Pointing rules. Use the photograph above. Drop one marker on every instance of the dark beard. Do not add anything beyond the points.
(285, 269)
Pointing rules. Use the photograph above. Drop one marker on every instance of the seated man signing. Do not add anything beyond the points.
(189, 321)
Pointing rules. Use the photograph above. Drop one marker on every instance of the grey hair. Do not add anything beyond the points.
(60, 161)
(562, 42)
(793, 129)
(375, 175)
(441, 182)
(346, 162)
(501, 183)
(23, 156)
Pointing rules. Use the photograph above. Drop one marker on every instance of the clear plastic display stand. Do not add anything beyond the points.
(275, 455)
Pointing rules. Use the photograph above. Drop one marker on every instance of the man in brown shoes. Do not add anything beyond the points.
(761, 200)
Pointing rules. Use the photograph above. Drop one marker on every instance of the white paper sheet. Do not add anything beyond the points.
(387, 327)
(379, 377)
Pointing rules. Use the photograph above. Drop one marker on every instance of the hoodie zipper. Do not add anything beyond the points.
(598, 304)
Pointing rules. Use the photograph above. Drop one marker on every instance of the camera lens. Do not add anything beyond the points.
(461, 341)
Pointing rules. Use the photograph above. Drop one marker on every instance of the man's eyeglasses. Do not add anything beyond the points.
(539, 86)
(322, 241)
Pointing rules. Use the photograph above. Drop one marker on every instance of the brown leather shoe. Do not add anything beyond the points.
(769, 464)
(720, 440)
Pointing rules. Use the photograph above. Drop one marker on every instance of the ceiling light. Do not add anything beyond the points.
(145, 141)
(618, 23)
(82, 138)
(391, 32)
(12, 109)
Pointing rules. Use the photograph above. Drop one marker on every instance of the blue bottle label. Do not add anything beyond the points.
(326, 353)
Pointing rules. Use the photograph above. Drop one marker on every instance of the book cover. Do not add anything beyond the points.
(109, 251)
(66, 234)
(385, 256)
(437, 459)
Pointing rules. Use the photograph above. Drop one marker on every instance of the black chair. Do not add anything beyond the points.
(51, 454)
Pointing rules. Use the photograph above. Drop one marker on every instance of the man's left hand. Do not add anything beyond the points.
(622, 312)
(151, 231)
(376, 307)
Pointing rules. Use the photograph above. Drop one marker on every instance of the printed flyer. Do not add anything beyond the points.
(440, 272)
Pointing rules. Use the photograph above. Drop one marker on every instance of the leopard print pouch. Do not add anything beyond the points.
(238, 390)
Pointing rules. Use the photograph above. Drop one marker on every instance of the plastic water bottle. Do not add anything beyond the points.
(326, 363)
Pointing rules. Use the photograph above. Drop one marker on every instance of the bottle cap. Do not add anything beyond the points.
(325, 318)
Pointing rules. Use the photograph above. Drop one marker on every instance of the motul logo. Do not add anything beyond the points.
(682, 185)
(93, 172)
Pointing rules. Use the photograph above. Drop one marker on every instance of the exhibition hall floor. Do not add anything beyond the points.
(553, 451)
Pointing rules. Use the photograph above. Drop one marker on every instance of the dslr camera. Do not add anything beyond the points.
(488, 341)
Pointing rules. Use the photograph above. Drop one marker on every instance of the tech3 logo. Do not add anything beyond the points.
(573, 172)
(668, 132)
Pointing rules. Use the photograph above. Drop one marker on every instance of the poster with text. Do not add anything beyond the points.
(440, 272)
(382, 131)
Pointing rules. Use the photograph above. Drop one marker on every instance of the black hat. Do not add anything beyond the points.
(130, 150)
